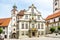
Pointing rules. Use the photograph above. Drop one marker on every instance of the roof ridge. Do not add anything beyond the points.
(4, 18)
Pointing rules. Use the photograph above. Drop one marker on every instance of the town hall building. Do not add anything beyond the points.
(28, 23)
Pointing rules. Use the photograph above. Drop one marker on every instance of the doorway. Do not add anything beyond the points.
(33, 33)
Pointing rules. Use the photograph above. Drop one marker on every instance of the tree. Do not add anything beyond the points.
(58, 28)
(1, 30)
(52, 29)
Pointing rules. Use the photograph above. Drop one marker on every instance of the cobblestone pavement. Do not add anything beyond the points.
(35, 38)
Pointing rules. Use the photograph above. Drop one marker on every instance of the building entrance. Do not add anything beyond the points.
(33, 33)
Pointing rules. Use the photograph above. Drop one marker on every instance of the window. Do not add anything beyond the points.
(38, 17)
(56, 3)
(14, 29)
(38, 26)
(33, 25)
(26, 16)
(48, 21)
(55, 0)
(3, 27)
(54, 20)
(22, 26)
(56, 9)
(26, 26)
(42, 26)
(5, 36)
(59, 18)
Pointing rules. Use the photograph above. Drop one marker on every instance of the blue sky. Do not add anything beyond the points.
(44, 6)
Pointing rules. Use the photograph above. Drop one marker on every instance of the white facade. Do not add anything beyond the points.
(32, 20)
(31, 24)
(30, 15)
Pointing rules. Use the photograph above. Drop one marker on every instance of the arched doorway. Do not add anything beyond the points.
(14, 35)
(33, 32)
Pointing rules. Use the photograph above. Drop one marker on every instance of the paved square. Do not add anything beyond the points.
(35, 38)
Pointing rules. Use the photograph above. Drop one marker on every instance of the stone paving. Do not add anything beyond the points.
(36, 38)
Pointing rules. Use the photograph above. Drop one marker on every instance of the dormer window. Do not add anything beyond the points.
(26, 16)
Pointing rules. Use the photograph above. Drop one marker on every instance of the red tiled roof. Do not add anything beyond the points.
(21, 13)
(4, 22)
(54, 15)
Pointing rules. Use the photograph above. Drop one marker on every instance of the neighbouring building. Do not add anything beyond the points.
(53, 20)
(28, 23)
(4, 22)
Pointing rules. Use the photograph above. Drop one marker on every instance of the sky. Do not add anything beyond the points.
(43, 6)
